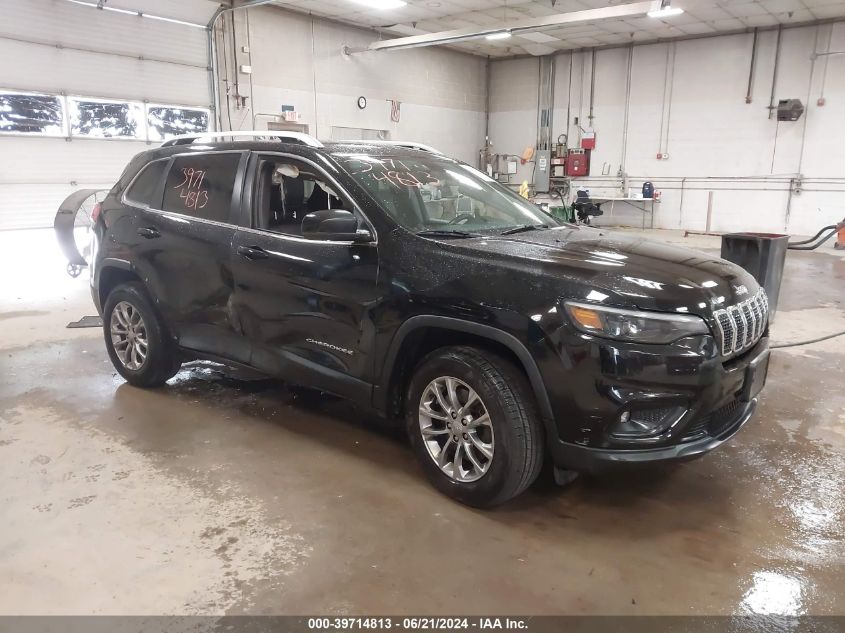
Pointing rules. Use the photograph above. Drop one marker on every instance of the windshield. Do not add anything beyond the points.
(432, 193)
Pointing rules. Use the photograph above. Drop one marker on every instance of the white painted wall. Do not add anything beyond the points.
(514, 93)
(442, 92)
(688, 100)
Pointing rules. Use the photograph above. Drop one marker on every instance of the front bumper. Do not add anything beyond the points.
(607, 378)
(586, 459)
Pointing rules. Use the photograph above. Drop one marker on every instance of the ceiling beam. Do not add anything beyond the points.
(514, 28)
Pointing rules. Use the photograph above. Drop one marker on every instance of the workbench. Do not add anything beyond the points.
(646, 205)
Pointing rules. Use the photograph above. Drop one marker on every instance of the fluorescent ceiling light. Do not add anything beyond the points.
(665, 10)
(501, 35)
(665, 13)
(540, 38)
(539, 49)
(382, 4)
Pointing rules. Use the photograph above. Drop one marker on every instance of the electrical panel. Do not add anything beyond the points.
(578, 163)
(542, 170)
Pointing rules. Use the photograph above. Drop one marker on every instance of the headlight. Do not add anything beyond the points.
(633, 325)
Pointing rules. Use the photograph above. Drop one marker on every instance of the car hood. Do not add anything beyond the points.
(613, 268)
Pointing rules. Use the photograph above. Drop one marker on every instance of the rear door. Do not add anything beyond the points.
(305, 304)
(183, 249)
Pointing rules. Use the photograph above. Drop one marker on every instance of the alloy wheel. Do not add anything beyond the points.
(456, 429)
(129, 335)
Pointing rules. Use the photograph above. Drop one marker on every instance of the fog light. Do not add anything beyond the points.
(646, 424)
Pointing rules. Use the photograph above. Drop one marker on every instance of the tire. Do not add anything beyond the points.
(130, 302)
(514, 434)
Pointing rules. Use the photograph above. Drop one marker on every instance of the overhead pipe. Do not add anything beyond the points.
(816, 55)
(545, 101)
(569, 100)
(807, 116)
(775, 73)
(592, 88)
(685, 38)
(487, 82)
(671, 97)
(665, 93)
(627, 116)
(212, 52)
(748, 94)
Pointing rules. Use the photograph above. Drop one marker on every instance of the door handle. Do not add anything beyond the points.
(253, 252)
(149, 232)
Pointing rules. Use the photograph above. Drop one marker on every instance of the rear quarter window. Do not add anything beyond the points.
(202, 186)
(145, 189)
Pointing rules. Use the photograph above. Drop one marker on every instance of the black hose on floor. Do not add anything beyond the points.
(813, 239)
(815, 340)
(805, 246)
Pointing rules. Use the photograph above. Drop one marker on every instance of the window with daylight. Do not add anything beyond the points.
(105, 119)
(165, 122)
(22, 113)
(93, 117)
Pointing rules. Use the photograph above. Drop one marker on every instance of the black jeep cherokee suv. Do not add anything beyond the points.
(414, 284)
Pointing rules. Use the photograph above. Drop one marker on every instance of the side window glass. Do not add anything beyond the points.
(286, 190)
(202, 186)
(144, 188)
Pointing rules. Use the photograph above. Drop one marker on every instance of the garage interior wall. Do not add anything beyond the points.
(688, 100)
(297, 61)
(59, 47)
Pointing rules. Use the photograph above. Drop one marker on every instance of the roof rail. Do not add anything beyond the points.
(408, 144)
(187, 139)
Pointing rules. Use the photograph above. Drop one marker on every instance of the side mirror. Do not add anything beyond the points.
(334, 224)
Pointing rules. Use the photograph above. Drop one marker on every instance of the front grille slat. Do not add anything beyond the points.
(750, 321)
(741, 325)
(755, 317)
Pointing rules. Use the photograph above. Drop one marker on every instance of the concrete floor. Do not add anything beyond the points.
(215, 495)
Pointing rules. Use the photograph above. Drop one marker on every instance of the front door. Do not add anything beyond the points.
(304, 304)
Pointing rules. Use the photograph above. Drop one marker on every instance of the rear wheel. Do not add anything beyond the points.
(136, 338)
(473, 422)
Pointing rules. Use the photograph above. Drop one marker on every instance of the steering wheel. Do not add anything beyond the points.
(461, 218)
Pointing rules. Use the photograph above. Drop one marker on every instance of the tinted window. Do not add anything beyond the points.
(143, 190)
(202, 186)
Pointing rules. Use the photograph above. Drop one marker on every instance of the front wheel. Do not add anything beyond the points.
(136, 338)
(472, 420)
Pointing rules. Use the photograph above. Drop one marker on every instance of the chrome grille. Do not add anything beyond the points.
(742, 325)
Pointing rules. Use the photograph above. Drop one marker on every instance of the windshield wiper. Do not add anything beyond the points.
(444, 233)
(524, 228)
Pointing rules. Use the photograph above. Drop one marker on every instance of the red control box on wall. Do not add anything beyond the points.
(577, 163)
(588, 140)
